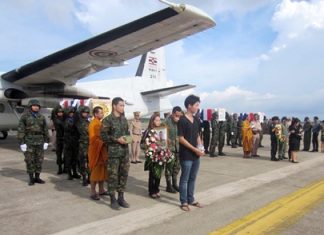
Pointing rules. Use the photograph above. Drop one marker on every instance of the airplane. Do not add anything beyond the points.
(54, 77)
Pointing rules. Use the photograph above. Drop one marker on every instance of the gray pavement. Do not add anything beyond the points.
(61, 205)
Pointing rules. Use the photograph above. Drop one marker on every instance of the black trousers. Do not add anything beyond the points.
(315, 141)
(274, 149)
(153, 184)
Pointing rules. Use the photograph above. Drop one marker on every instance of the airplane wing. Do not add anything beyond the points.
(167, 91)
(112, 48)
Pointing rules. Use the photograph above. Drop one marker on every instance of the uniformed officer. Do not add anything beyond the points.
(173, 144)
(239, 131)
(215, 132)
(136, 133)
(221, 137)
(113, 131)
(33, 138)
(82, 126)
(234, 133)
(228, 129)
(71, 142)
(58, 122)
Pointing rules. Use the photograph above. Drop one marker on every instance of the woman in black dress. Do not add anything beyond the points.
(294, 139)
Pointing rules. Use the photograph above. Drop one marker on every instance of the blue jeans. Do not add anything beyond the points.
(189, 171)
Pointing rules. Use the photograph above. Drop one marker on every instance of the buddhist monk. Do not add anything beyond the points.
(97, 155)
(247, 137)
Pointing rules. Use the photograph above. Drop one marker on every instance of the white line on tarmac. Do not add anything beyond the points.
(157, 214)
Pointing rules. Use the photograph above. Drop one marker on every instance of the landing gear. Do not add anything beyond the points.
(3, 135)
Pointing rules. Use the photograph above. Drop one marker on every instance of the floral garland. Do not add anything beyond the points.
(157, 156)
(278, 132)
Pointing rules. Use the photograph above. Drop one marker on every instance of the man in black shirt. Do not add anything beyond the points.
(190, 151)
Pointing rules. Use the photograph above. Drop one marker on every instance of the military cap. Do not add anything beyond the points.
(84, 109)
(33, 102)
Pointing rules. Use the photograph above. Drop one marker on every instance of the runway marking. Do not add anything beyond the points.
(279, 214)
(158, 214)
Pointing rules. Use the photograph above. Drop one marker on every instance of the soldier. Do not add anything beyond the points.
(273, 137)
(307, 133)
(234, 130)
(58, 122)
(113, 131)
(239, 131)
(221, 137)
(316, 130)
(33, 138)
(82, 127)
(228, 129)
(173, 144)
(71, 141)
(136, 132)
(284, 139)
(206, 135)
(215, 131)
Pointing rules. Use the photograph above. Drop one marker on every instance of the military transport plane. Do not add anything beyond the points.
(54, 77)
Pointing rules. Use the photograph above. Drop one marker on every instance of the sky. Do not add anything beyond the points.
(262, 56)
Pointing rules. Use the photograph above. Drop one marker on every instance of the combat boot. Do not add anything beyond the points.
(213, 155)
(175, 183)
(113, 202)
(121, 200)
(221, 154)
(60, 171)
(169, 187)
(84, 180)
(38, 180)
(31, 179)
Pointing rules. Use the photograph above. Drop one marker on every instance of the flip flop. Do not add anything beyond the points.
(185, 207)
(104, 193)
(196, 204)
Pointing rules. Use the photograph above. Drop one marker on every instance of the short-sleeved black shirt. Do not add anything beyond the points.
(190, 132)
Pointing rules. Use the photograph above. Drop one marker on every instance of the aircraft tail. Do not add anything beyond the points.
(152, 65)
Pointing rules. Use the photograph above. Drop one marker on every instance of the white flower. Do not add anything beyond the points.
(160, 163)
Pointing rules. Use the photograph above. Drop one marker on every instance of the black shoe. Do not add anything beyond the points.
(213, 155)
(221, 154)
(113, 202)
(133, 162)
(169, 187)
(38, 180)
(274, 159)
(234, 146)
(60, 171)
(76, 175)
(138, 161)
(121, 200)
(31, 179)
(261, 146)
(284, 157)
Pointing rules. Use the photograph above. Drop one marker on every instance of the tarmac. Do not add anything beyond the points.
(229, 187)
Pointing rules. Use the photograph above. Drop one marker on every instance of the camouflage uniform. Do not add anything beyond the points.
(82, 127)
(233, 125)
(239, 132)
(118, 163)
(215, 131)
(59, 128)
(221, 137)
(173, 145)
(228, 129)
(33, 131)
(71, 138)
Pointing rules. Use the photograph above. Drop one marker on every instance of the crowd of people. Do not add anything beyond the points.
(94, 148)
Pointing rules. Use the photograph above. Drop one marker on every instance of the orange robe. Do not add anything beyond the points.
(97, 153)
(247, 136)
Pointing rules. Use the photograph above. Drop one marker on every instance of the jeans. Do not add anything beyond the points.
(189, 171)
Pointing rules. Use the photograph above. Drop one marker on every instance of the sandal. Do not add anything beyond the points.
(95, 197)
(154, 196)
(196, 204)
(104, 193)
(185, 207)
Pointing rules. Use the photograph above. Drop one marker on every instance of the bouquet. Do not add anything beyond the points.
(157, 157)
(278, 132)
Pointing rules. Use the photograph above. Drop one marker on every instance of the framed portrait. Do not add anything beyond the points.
(162, 133)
